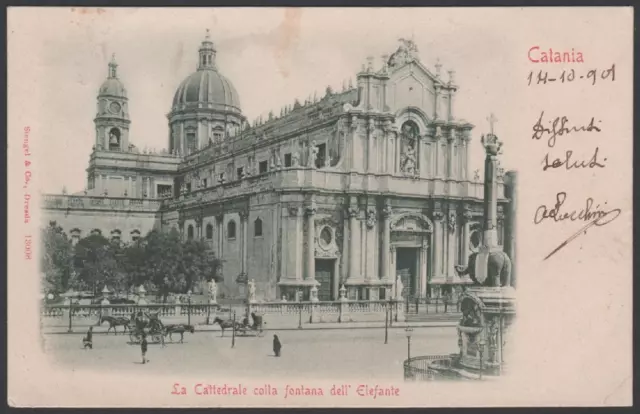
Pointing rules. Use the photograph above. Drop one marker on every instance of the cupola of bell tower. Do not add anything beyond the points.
(112, 117)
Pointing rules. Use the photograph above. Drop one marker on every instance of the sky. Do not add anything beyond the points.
(271, 56)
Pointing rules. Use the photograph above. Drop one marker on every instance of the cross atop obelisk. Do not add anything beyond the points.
(492, 120)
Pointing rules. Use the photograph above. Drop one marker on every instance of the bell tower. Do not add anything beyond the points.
(112, 117)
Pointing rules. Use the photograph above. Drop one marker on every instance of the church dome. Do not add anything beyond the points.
(112, 86)
(207, 87)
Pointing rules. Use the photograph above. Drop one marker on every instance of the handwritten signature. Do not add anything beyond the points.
(593, 216)
(559, 128)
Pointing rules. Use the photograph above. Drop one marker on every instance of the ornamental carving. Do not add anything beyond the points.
(353, 211)
(371, 217)
(244, 214)
(294, 211)
(451, 222)
(412, 222)
(438, 215)
(466, 215)
(406, 53)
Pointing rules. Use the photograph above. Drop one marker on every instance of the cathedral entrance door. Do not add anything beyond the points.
(407, 268)
(324, 275)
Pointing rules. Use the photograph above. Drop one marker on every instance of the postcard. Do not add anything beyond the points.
(305, 207)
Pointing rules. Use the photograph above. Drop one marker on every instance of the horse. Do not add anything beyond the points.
(115, 322)
(178, 329)
(228, 324)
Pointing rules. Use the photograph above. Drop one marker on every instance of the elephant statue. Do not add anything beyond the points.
(498, 272)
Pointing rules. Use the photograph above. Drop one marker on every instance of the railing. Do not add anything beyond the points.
(286, 313)
(417, 368)
(425, 306)
(101, 203)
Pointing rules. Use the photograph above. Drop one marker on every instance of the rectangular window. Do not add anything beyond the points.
(240, 173)
(322, 154)
(287, 160)
(262, 167)
(188, 187)
(191, 142)
(204, 183)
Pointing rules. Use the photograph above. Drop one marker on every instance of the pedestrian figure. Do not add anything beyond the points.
(277, 346)
(143, 348)
(88, 340)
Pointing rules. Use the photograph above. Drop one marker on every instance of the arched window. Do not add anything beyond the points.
(190, 232)
(135, 235)
(96, 232)
(209, 231)
(114, 139)
(257, 228)
(231, 230)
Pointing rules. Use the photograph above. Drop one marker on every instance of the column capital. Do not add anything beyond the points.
(244, 214)
(438, 215)
(424, 245)
(220, 216)
(311, 209)
(387, 211)
(353, 211)
(466, 215)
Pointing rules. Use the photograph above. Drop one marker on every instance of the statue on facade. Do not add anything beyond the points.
(399, 286)
(406, 52)
(113, 138)
(313, 154)
(371, 218)
(409, 156)
(252, 290)
(295, 158)
(213, 291)
(327, 160)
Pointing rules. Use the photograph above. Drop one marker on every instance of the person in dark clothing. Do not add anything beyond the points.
(143, 348)
(277, 346)
(88, 340)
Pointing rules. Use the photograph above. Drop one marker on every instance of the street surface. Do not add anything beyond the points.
(334, 353)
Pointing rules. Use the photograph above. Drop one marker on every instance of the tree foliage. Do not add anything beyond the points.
(160, 261)
(57, 259)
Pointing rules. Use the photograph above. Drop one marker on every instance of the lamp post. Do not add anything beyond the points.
(481, 344)
(299, 309)
(233, 332)
(386, 323)
(189, 308)
(408, 330)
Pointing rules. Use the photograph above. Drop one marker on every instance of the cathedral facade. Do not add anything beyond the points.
(355, 188)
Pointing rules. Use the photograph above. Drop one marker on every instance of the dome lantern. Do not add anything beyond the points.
(207, 53)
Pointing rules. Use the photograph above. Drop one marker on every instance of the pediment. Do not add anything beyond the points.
(412, 222)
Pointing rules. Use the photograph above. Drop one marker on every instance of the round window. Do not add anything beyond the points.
(325, 237)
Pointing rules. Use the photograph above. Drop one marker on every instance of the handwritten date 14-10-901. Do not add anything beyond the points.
(570, 75)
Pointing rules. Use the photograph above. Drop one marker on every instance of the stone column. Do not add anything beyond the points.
(437, 244)
(311, 241)
(244, 215)
(466, 216)
(354, 254)
(398, 152)
(451, 143)
(148, 187)
(220, 233)
(437, 158)
(437, 99)
(386, 241)
(424, 249)
(466, 140)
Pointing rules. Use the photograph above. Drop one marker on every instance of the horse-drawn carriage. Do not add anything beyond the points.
(243, 328)
(148, 324)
